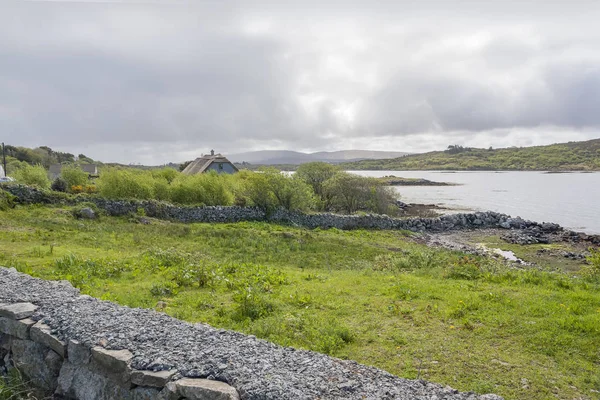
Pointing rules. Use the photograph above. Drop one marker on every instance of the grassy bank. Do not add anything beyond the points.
(374, 297)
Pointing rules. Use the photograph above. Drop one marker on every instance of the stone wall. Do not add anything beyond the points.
(69, 369)
(189, 214)
(72, 346)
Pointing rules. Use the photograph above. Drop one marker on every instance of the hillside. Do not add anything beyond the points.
(572, 156)
(272, 157)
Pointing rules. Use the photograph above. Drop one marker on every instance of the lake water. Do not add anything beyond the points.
(571, 200)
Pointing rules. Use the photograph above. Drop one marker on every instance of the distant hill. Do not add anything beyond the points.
(572, 156)
(272, 157)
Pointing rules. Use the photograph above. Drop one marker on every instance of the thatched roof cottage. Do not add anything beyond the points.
(212, 162)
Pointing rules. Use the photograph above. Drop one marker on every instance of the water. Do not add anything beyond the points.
(571, 200)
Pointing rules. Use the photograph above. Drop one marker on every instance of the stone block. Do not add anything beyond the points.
(150, 378)
(16, 328)
(39, 364)
(204, 389)
(144, 393)
(17, 310)
(115, 361)
(169, 392)
(41, 333)
(78, 353)
(79, 382)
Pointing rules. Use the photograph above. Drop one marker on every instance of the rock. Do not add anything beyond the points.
(143, 393)
(41, 333)
(79, 382)
(153, 379)
(78, 353)
(169, 392)
(87, 213)
(37, 362)
(17, 328)
(112, 363)
(204, 389)
(17, 310)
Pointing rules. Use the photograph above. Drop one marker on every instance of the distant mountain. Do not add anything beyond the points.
(271, 157)
(572, 156)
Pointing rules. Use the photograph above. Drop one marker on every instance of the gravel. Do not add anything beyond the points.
(256, 368)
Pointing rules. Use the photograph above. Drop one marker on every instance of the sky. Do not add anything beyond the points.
(157, 81)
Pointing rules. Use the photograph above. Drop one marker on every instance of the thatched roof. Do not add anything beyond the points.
(201, 164)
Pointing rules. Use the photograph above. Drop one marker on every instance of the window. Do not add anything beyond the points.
(220, 165)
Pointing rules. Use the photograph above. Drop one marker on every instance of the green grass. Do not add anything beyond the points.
(371, 296)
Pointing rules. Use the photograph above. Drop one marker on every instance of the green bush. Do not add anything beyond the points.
(316, 174)
(7, 201)
(74, 176)
(291, 193)
(59, 185)
(34, 175)
(122, 184)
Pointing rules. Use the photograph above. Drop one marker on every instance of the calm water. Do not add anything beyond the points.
(571, 200)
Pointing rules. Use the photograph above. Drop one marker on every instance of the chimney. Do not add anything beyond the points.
(212, 152)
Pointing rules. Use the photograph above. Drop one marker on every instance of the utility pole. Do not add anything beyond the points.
(4, 160)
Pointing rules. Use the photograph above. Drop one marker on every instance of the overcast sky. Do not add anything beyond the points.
(159, 81)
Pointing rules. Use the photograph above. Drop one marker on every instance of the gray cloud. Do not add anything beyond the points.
(151, 82)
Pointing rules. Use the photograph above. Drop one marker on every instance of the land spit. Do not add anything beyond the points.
(79, 347)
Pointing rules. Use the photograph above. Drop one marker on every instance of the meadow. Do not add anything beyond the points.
(377, 297)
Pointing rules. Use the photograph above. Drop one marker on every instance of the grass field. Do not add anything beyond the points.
(371, 296)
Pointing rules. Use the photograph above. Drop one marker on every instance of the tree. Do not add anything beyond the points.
(316, 174)
(349, 192)
(291, 193)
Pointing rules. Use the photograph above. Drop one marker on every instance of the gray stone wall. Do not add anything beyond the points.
(72, 346)
(188, 214)
(69, 369)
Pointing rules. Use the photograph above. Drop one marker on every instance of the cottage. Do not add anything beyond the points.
(212, 162)
(55, 170)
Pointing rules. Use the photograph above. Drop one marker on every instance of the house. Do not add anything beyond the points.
(55, 170)
(212, 162)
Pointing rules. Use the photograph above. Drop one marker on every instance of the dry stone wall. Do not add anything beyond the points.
(72, 346)
(156, 209)
(68, 369)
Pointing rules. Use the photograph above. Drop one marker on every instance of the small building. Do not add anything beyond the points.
(212, 162)
(55, 170)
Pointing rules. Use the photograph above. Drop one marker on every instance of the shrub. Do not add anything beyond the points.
(34, 175)
(7, 200)
(168, 174)
(316, 174)
(254, 187)
(349, 193)
(118, 184)
(59, 185)
(74, 176)
(291, 193)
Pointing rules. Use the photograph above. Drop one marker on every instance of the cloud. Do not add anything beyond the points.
(154, 82)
